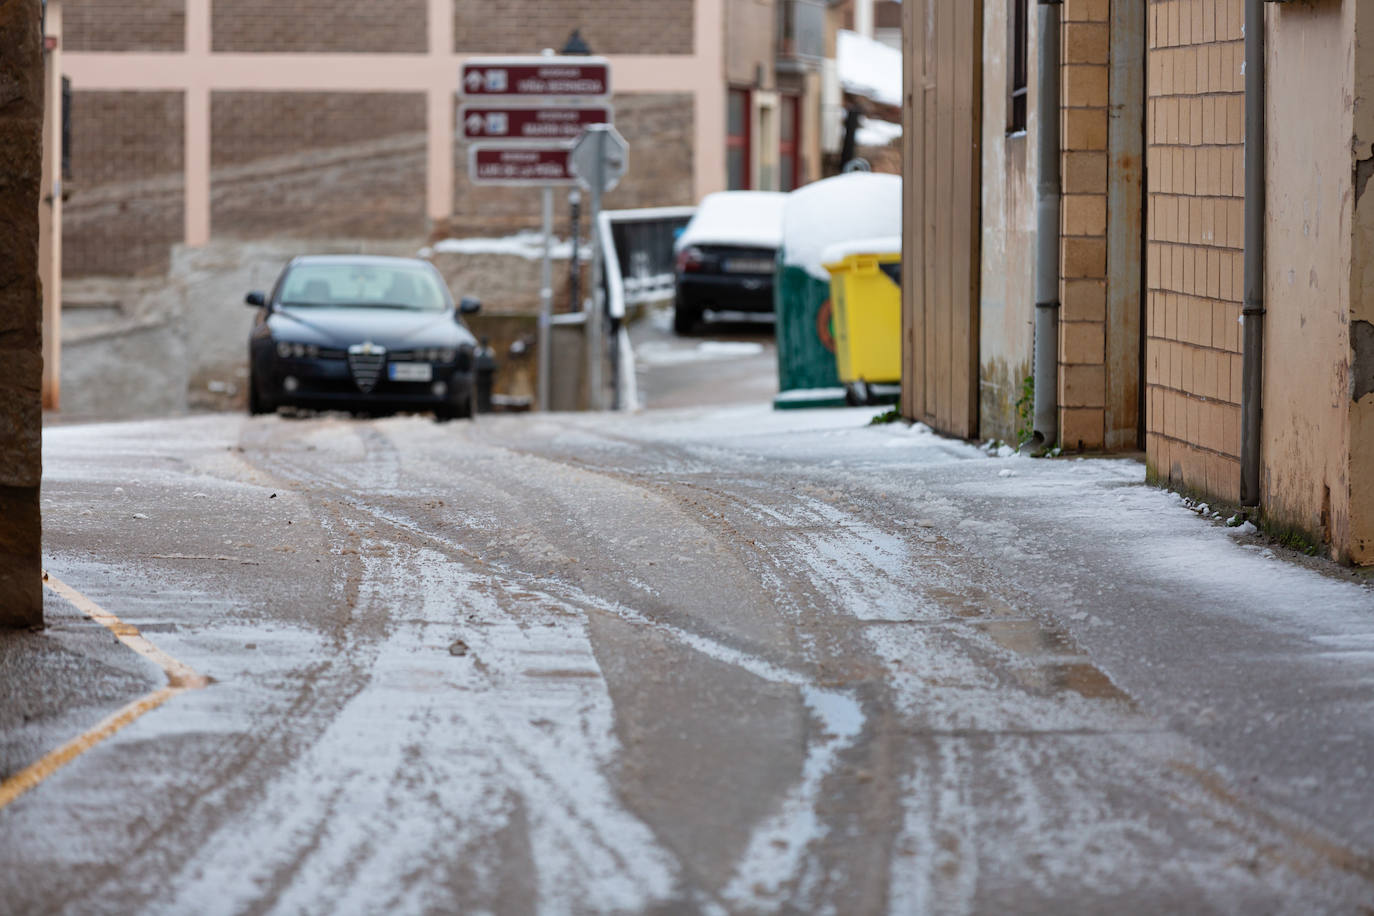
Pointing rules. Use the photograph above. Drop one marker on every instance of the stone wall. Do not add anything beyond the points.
(127, 187)
(317, 165)
(1195, 127)
(293, 26)
(21, 360)
(607, 26)
(124, 25)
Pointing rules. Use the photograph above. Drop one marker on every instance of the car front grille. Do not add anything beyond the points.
(365, 361)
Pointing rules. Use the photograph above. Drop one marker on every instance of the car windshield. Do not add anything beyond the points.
(401, 286)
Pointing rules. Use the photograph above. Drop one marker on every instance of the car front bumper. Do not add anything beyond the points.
(725, 292)
(326, 383)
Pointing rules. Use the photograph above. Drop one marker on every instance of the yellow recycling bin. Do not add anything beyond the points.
(867, 309)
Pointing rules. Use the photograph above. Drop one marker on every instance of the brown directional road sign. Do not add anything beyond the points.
(504, 122)
(516, 77)
(519, 165)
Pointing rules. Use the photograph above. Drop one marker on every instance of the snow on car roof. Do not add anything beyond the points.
(736, 218)
(846, 208)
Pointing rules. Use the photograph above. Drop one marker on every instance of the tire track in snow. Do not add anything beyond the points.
(774, 857)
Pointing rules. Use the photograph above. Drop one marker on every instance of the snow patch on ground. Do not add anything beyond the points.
(671, 354)
(775, 852)
(527, 244)
(517, 736)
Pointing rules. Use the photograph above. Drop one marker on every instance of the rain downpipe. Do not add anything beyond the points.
(1252, 313)
(1047, 194)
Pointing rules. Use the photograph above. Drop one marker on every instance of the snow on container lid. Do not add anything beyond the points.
(887, 244)
(859, 205)
(751, 218)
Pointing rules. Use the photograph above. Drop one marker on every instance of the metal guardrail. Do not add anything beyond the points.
(638, 246)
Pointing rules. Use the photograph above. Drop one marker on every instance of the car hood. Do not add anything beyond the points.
(390, 328)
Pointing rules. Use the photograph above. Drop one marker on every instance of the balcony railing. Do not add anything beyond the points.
(801, 29)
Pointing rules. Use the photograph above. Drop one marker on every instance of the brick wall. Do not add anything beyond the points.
(608, 26)
(317, 164)
(658, 129)
(1195, 130)
(283, 26)
(1083, 253)
(124, 25)
(127, 188)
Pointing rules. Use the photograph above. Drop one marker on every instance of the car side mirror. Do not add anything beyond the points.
(469, 305)
(257, 298)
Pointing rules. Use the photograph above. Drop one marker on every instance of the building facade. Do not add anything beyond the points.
(195, 119)
(1152, 245)
(211, 139)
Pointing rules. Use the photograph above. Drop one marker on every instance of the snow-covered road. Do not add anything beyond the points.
(720, 660)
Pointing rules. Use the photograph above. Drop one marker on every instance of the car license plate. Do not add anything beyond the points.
(748, 266)
(410, 372)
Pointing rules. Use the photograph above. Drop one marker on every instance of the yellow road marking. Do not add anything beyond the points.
(180, 678)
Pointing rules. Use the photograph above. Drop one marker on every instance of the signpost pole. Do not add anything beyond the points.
(520, 116)
(545, 343)
(595, 332)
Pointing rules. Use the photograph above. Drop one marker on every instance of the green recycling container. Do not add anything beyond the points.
(844, 208)
(807, 373)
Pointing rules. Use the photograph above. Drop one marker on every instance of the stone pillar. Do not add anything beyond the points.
(21, 359)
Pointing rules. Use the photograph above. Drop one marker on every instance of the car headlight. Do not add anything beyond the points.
(447, 355)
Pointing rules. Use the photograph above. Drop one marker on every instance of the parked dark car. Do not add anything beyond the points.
(362, 333)
(726, 255)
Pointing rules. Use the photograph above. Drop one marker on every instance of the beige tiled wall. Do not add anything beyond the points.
(1194, 134)
(1083, 256)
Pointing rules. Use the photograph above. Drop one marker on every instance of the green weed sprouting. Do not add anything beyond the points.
(1025, 407)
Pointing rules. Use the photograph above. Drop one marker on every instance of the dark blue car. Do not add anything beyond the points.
(352, 332)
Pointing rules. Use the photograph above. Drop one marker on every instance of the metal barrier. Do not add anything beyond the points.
(638, 260)
(638, 246)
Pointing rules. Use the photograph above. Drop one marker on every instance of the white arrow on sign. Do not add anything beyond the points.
(474, 81)
(475, 123)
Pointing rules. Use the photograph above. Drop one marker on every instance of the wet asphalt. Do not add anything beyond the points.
(706, 658)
